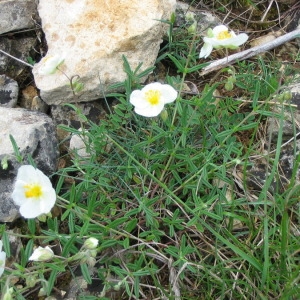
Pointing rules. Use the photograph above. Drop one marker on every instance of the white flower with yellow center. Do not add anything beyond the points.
(49, 64)
(151, 99)
(41, 254)
(2, 259)
(220, 37)
(33, 192)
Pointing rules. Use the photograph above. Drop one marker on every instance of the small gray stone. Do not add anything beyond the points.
(9, 91)
(17, 14)
(62, 114)
(187, 14)
(21, 48)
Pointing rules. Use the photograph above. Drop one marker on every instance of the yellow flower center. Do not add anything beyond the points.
(153, 96)
(224, 35)
(33, 191)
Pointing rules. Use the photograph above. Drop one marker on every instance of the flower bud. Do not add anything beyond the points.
(190, 16)
(93, 253)
(91, 243)
(173, 18)
(42, 254)
(8, 294)
(229, 85)
(42, 292)
(30, 281)
(49, 64)
(91, 261)
(164, 115)
(287, 95)
(77, 256)
(192, 28)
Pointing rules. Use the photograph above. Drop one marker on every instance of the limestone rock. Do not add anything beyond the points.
(9, 91)
(34, 134)
(17, 14)
(93, 35)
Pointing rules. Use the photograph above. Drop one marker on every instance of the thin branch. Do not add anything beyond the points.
(19, 60)
(220, 63)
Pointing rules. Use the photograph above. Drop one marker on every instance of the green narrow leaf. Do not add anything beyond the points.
(108, 243)
(27, 252)
(117, 222)
(85, 273)
(56, 267)
(31, 226)
(84, 228)
(6, 243)
(51, 281)
(68, 246)
(197, 67)
(256, 93)
(131, 225)
(16, 149)
(252, 260)
(71, 222)
(137, 287)
(177, 63)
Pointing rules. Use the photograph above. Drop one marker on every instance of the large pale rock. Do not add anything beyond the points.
(93, 35)
(34, 134)
(17, 14)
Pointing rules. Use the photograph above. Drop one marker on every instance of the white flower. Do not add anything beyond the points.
(33, 192)
(41, 254)
(49, 64)
(2, 259)
(91, 243)
(220, 37)
(150, 100)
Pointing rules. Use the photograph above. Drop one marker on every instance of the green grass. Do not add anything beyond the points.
(168, 198)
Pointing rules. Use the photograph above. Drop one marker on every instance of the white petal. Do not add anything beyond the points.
(169, 94)
(219, 28)
(2, 262)
(241, 39)
(214, 42)
(49, 64)
(47, 201)
(18, 194)
(26, 172)
(205, 50)
(41, 254)
(137, 99)
(152, 86)
(30, 209)
(150, 111)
